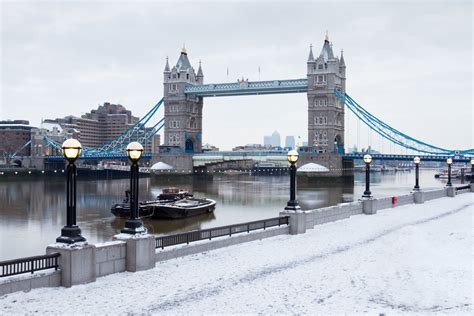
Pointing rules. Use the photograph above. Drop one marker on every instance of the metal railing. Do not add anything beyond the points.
(463, 187)
(208, 234)
(29, 264)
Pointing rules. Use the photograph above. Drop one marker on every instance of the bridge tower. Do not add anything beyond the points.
(325, 110)
(183, 114)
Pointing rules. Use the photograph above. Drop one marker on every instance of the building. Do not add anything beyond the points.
(276, 140)
(267, 141)
(102, 125)
(183, 115)
(250, 147)
(209, 147)
(52, 131)
(290, 142)
(326, 111)
(14, 138)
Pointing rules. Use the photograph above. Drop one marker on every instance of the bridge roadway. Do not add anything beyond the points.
(245, 87)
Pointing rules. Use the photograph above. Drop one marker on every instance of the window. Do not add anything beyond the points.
(321, 120)
(174, 139)
(173, 87)
(321, 79)
(320, 66)
(175, 124)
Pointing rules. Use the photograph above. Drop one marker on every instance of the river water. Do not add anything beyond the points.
(32, 212)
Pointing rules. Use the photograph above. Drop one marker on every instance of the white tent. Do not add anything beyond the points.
(312, 167)
(161, 166)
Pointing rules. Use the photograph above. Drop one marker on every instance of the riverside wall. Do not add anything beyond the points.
(111, 257)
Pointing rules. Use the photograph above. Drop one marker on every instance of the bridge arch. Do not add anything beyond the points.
(189, 145)
(338, 145)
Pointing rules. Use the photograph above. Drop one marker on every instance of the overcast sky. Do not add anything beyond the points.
(408, 62)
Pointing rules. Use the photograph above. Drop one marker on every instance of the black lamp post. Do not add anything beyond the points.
(71, 233)
(417, 161)
(449, 161)
(367, 159)
(134, 224)
(292, 204)
(472, 170)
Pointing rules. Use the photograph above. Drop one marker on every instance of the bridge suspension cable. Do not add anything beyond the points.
(137, 132)
(392, 134)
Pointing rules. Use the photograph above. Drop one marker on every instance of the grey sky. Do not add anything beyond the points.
(409, 63)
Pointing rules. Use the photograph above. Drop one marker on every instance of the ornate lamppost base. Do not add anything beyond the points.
(133, 226)
(292, 206)
(70, 235)
(366, 196)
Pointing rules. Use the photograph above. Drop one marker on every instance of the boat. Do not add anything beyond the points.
(168, 195)
(182, 208)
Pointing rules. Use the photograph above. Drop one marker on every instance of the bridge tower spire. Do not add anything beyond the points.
(183, 113)
(325, 110)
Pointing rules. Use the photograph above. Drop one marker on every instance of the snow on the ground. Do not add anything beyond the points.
(414, 259)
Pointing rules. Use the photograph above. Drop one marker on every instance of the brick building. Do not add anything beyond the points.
(13, 136)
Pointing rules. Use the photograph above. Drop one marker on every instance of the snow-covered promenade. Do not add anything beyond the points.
(407, 260)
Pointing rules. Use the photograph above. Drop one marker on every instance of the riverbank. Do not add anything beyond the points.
(413, 259)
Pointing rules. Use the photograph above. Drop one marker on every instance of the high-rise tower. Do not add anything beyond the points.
(325, 110)
(183, 114)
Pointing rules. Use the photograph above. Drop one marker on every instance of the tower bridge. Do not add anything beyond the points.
(184, 93)
(325, 88)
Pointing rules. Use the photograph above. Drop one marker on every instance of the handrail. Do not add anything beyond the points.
(463, 187)
(29, 264)
(208, 234)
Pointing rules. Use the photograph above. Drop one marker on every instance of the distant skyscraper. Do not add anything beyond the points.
(276, 141)
(290, 141)
(267, 140)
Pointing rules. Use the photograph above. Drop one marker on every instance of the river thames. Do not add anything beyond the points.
(32, 212)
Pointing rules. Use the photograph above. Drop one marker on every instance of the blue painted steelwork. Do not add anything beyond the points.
(393, 134)
(245, 87)
(376, 157)
(96, 156)
(243, 153)
(137, 132)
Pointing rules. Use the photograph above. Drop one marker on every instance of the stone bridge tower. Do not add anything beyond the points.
(183, 114)
(325, 110)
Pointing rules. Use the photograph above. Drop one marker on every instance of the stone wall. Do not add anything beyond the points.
(110, 258)
(27, 282)
(332, 213)
(435, 194)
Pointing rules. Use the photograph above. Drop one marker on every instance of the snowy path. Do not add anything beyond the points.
(411, 259)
